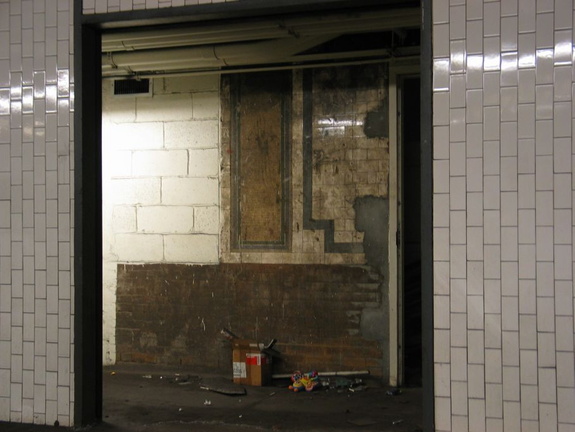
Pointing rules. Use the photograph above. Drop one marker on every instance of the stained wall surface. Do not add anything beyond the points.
(164, 175)
(503, 215)
(36, 220)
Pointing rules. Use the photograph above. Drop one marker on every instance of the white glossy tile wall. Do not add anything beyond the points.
(111, 6)
(36, 201)
(503, 219)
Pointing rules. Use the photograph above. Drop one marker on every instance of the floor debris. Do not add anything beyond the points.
(223, 386)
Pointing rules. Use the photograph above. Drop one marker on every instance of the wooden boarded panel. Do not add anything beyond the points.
(260, 126)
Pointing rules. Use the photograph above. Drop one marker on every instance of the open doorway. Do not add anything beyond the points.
(340, 243)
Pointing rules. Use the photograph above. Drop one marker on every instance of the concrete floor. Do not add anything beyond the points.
(161, 399)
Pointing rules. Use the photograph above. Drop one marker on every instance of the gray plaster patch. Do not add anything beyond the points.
(376, 124)
(372, 218)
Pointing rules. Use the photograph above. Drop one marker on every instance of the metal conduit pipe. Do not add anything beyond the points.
(190, 37)
(191, 65)
(199, 72)
(208, 56)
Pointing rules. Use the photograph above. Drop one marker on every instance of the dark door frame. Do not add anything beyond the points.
(88, 177)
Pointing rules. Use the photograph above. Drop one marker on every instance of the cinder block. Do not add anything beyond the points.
(192, 134)
(207, 220)
(123, 219)
(196, 248)
(189, 191)
(160, 163)
(133, 136)
(117, 164)
(206, 105)
(165, 219)
(204, 163)
(136, 191)
(139, 248)
(192, 84)
(173, 107)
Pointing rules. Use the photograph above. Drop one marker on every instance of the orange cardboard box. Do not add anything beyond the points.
(251, 366)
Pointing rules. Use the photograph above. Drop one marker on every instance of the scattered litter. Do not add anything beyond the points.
(240, 416)
(341, 383)
(357, 388)
(147, 376)
(393, 392)
(222, 386)
(112, 373)
(228, 334)
(207, 402)
(179, 409)
(182, 380)
(304, 381)
(328, 374)
(396, 422)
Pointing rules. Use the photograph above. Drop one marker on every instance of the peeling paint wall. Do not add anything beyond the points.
(333, 162)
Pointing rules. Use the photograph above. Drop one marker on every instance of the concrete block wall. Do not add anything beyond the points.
(160, 170)
(503, 215)
(36, 219)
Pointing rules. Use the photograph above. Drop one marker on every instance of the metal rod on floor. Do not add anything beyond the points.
(326, 374)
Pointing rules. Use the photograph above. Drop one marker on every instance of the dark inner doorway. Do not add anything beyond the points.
(411, 203)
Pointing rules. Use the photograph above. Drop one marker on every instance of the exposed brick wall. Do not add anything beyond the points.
(172, 314)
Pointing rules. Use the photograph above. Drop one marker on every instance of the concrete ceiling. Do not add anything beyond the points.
(370, 35)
